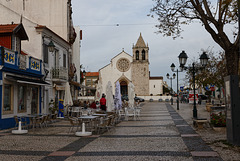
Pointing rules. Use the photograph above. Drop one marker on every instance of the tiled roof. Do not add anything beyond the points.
(8, 28)
(156, 77)
(23, 53)
(140, 42)
(92, 74)
(15, 29)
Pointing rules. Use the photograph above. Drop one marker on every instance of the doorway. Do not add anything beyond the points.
(124, 88)
(34, 100)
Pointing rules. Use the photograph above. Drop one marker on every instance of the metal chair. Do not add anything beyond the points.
(73, 123)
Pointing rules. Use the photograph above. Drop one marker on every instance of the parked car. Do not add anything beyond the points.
(203, 97)
(139, 99)
(124, 97)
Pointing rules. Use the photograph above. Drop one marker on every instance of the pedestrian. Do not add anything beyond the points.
(93, 105)
(97, 105)
(103, 103)
(85, 104)
(200, 100)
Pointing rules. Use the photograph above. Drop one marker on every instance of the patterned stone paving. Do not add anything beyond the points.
(160, 134)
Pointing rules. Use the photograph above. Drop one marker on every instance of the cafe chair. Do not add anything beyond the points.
(16, 121)
(43, 121)
(103, 125)
(130, 112)
(73, 123)
(23, 122)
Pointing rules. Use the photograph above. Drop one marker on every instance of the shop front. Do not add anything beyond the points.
(20, 88)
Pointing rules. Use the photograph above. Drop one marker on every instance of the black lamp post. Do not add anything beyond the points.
(172, 68)
(171, 78)
(182, 61)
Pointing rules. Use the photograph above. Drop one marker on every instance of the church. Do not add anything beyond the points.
(134, 68)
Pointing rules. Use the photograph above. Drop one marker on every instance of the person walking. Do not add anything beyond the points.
(103, 103)
(199, 100)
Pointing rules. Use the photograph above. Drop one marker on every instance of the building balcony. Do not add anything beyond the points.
(59, 74)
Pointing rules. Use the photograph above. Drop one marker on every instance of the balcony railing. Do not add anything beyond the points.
(59, 73)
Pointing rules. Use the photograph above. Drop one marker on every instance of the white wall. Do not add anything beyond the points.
(51, 13)
(111, 73)
(155, 98)
(155, 86)
(76, 53)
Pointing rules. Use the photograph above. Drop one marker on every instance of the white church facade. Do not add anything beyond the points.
(134, 68)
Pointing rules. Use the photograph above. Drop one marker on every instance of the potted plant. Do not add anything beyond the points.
(218, 121)
(53, 107)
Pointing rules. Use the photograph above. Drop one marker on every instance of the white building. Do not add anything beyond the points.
(45, 21)
(126, 68)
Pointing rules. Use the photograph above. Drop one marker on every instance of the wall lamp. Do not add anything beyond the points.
(51, 46)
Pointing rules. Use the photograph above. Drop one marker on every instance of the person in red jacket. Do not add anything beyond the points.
(103, 103)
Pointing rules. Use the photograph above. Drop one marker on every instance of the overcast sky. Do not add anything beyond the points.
(103, 38)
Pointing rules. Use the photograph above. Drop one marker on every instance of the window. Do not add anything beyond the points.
(34, 103)
(137, 55)
(22, 99)
(45, 53)
(64, 60)
(153, 86)
(56, 57)
(13, 43)
(7, 102)
(143, 55)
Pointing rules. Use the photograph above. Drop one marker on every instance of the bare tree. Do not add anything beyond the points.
(214, 16)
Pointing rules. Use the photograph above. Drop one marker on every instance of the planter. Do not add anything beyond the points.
(219, 129)
(208, 107)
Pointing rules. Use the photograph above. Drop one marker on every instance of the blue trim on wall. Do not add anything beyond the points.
(2, 55)
(7, 123)
(1, 95)
(22, 72)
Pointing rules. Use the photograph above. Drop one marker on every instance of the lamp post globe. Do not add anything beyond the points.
(167, 76)
(203, 59)
(182, 58)
(172, 66)
(51, 46)
(174, 75)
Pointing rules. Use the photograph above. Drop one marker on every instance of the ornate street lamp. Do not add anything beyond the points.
(171, 78)
(203, 60)
(173, 69)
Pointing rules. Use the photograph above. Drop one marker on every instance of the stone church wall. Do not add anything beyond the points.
(140, 78)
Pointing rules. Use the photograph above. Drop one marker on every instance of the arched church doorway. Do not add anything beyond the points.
(124, 88)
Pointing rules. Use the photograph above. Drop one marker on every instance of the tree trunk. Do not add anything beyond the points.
(232, 61)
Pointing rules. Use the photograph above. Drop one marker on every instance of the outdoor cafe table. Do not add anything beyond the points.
(30, 117)
(90, 118)
(100, 114)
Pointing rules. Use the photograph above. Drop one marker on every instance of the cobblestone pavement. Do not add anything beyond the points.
(217, 140)
(161, 133)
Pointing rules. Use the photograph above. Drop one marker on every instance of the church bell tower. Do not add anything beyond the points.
(140, 67)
